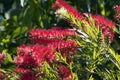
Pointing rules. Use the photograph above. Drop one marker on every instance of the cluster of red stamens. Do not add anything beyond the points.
(117, 9)
(50, 35)
(105, 25)
(62, 4)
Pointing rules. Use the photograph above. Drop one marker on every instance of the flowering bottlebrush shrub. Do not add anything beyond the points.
(47, 44)
(83, 52)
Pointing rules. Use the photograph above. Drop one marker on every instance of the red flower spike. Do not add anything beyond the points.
(26, 61)
(64, 72)
(42, 53)
(103, 22)
(47, 36)
(117, 9)
(108, 33)
(105, 25)
(66, 47)
(29, 60)
(28, 76)
(18, 60)
(22, 69)
(23, 50)
(70, 9)
(34, 56)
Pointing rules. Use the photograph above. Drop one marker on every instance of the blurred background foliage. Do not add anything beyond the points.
(17, 17)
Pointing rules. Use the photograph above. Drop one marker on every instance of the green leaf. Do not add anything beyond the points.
(9, 57)
(19, 31)
(91, 78)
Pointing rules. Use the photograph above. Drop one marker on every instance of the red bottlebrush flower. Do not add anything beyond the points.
(70, 9)
(42, 40)
(64, 46)
(46, 36)
(28, 76)
(117, 7)
(103, 22)
(23, 50)
(22, 69)
(63, 72)
(35, 56)
(18, 60)
(2, 56)
(26, 60)
(41, 53)
(117, 15)
(108, 33)
(105, 25)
